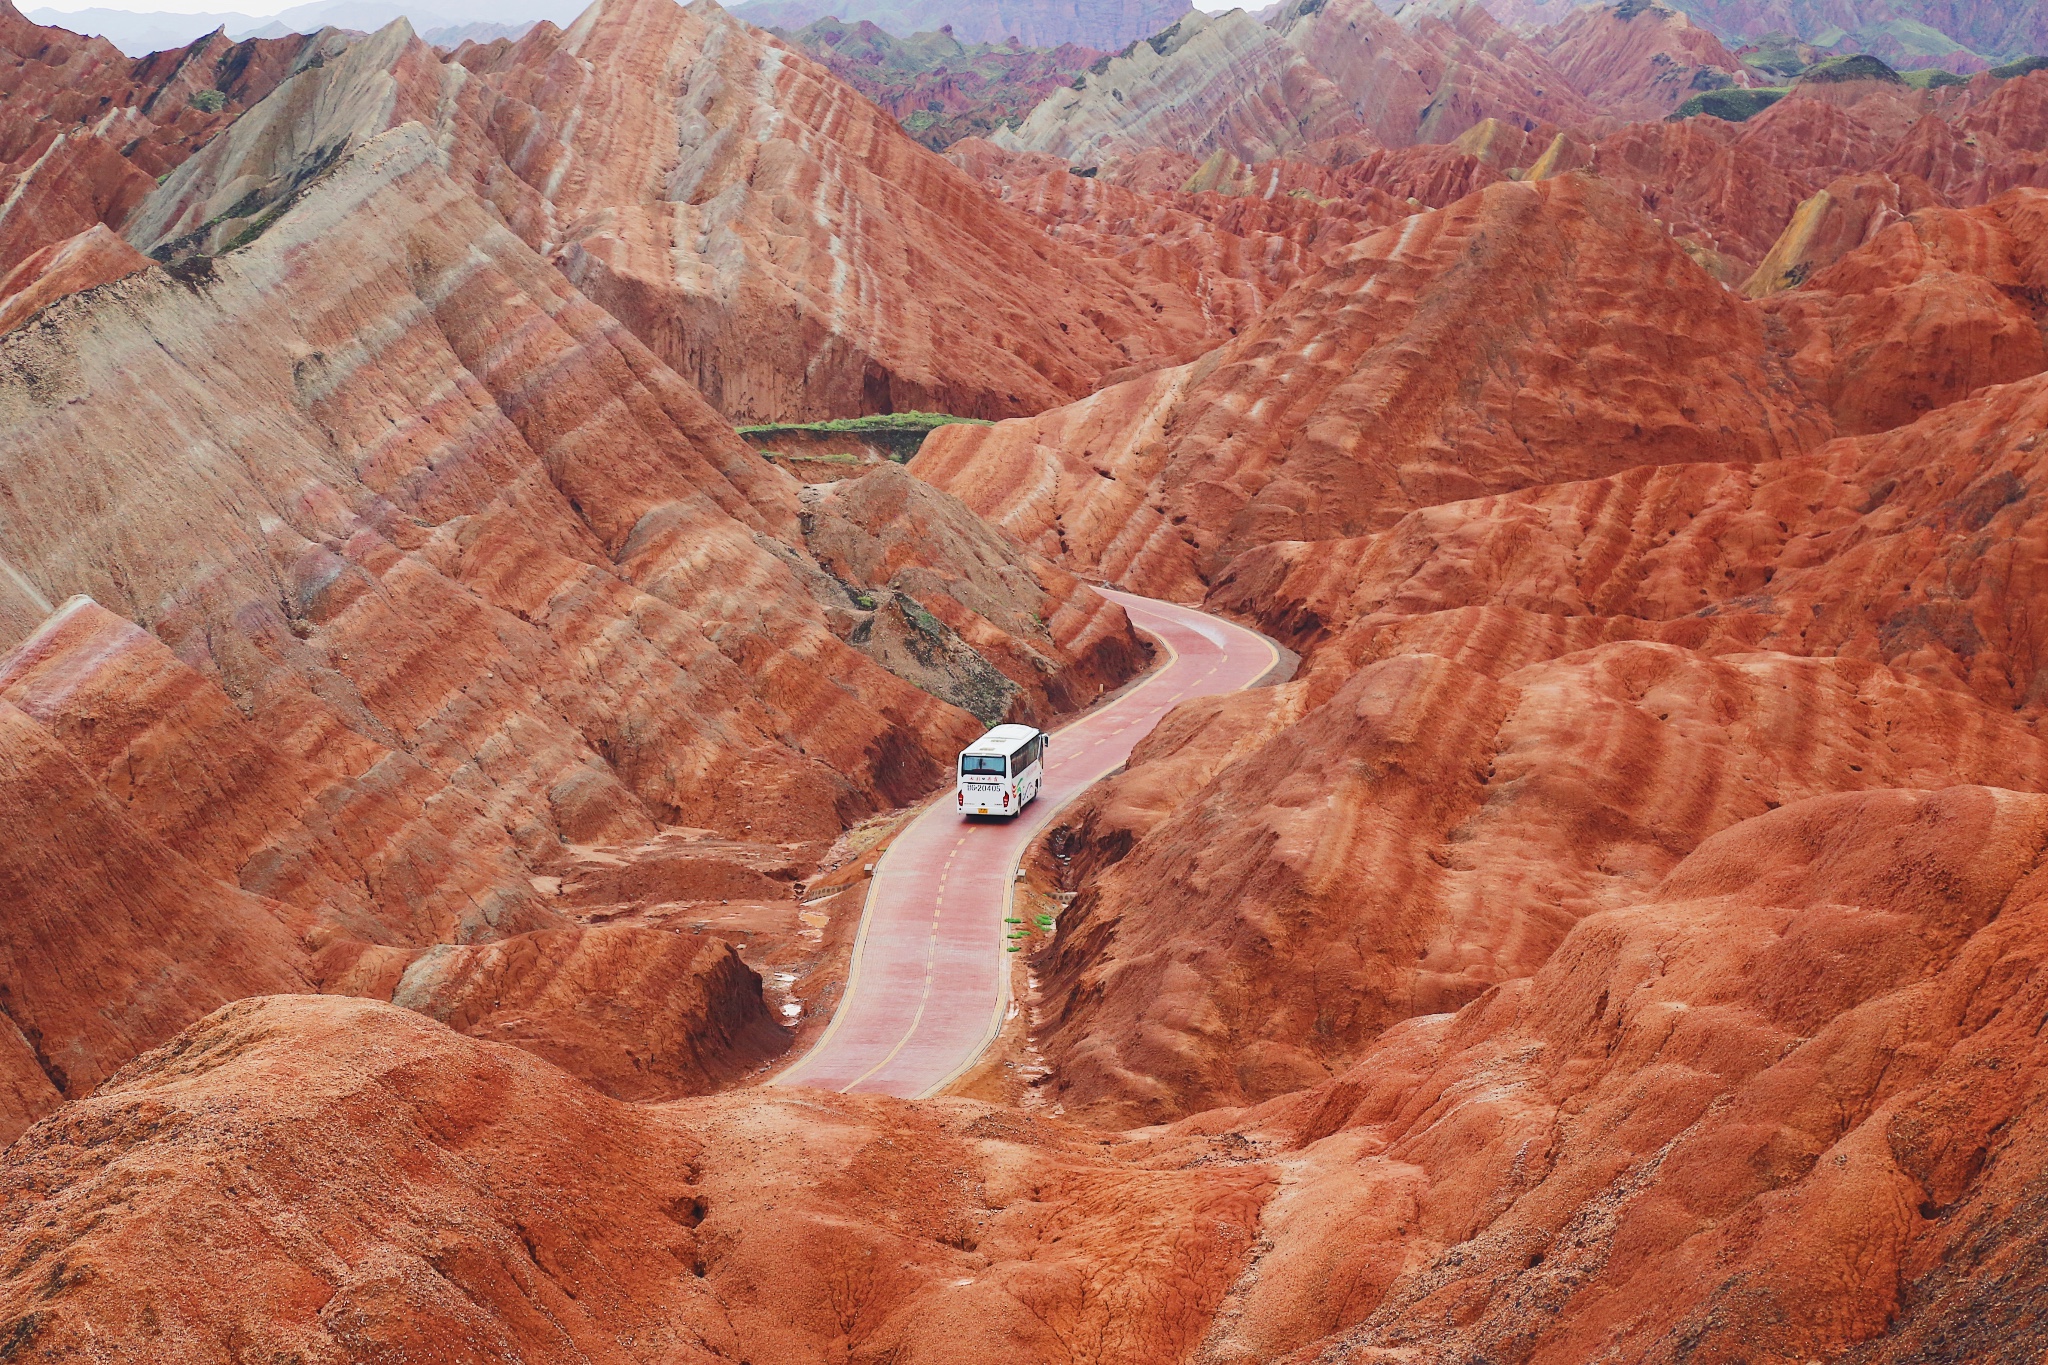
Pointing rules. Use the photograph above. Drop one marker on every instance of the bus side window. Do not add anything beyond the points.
(1038, 748)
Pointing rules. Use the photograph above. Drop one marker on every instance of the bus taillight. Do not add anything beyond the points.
(1006, 800)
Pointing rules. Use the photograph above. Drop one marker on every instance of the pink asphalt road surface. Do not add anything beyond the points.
(929, 981)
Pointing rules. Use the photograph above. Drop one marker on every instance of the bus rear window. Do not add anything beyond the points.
(991, 764)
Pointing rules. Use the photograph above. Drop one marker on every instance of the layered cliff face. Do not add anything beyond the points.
(1636, 61)
(1235, 251)
(938, 87)
(1374, 387)
(1521, 711)
(1314, 72)
(85, 131)
(1784, 1106)
(410, 570)
(773, 238)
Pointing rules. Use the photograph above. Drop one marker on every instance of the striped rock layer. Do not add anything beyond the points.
(392, 570)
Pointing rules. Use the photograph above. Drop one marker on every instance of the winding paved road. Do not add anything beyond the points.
(929, 984)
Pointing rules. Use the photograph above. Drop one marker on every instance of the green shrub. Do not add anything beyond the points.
(210, 101)
(1732, 106)
(2025, 66)
(1857, 66)
(1932, 78)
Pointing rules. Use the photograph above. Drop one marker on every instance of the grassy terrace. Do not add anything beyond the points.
(898, 433)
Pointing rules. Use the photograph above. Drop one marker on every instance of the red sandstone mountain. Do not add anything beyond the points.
(1235, 251)
(1429, 362)
(1750, 1115)
(340, 1178)
(1764, 1106)
(424, 609)
(1622, 930)
(1314, 72)
(95, 256)
(1540, 701)
(825, 264)
(1934, 308)
(939, 88)
(1636, 60)
(85, 132)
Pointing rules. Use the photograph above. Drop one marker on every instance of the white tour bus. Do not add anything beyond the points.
(1002, 770)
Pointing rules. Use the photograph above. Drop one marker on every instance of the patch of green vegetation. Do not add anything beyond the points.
(881, 421)
(1732, 106)
(1778, 54)
(920, 618)
(1931, 78)
(210, 101)
(1857, 66)
(2025, 66)
(252, 230)
(899, 433)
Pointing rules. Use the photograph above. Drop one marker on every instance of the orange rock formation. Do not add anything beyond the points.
(436, 752)
(1434, 360)
(420, 609)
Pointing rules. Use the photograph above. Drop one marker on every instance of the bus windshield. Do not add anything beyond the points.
(983, 763)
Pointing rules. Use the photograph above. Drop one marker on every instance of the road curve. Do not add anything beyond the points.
(929, 983)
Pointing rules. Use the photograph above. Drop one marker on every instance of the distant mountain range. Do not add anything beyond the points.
(1104, 24)
(1034, 23)
(1963, 34)
(443, 22)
